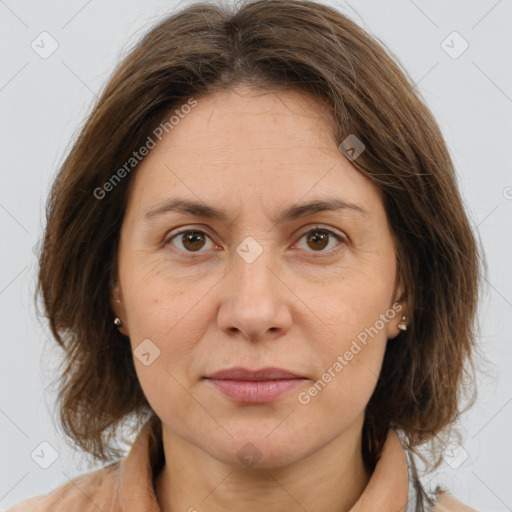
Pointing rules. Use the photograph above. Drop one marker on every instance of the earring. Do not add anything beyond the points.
(402, 325)
(117, 322)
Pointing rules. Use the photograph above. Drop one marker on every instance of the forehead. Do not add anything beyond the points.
(246, 120)
(247, 145)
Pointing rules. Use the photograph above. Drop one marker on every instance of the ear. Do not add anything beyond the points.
(398, 308)
(117, 304)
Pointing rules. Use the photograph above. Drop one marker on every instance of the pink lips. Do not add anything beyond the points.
(255, 386)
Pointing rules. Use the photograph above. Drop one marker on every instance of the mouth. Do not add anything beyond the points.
(254, 386)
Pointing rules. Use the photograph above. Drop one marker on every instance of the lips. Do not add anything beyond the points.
(269, 373)
(254, 386)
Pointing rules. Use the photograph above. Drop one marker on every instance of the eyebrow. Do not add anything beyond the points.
(293, 212)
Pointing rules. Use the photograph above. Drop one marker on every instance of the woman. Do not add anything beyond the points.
(257, 249)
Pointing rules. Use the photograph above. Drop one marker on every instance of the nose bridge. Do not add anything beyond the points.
(253, 303)
(252, 269)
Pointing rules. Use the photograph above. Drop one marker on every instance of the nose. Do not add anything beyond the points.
(255, 300)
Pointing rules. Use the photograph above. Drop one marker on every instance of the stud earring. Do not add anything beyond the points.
(402, 325)
(117, 321)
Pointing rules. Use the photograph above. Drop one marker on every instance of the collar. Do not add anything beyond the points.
(387, 489)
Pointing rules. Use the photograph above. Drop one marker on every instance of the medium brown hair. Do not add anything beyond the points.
(316, 49)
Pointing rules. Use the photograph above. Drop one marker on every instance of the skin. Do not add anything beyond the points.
(254, 153)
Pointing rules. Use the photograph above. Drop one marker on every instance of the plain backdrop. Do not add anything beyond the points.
(44, 101)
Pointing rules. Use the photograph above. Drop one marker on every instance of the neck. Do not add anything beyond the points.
(330, 479)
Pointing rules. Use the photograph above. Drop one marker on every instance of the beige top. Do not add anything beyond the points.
(128, 485)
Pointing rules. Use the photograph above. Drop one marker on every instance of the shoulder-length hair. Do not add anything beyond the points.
(269, 44)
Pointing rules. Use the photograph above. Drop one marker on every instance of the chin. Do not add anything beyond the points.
(256, 451)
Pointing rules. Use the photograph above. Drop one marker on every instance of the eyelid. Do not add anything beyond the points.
(185, 229)
(321, 227)
(342, 237)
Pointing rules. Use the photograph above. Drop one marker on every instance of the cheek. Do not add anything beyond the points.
(350, 367)
(155, 299)
(357, 311)
(160, 325)
(352, 304)
(172, 312)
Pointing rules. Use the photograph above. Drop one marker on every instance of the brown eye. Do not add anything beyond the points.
(319, 238)
(191, 240)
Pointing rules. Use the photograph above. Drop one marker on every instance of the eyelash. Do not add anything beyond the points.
(319, 229)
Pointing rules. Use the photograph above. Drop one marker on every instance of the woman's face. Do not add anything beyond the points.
(268, 283)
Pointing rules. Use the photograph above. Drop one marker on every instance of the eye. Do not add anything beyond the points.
(192, 240)
(319, 238)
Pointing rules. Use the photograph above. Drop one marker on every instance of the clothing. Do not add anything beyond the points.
(128, 485)
(418, 499)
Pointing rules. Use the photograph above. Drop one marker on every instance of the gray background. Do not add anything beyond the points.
(44, 101)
